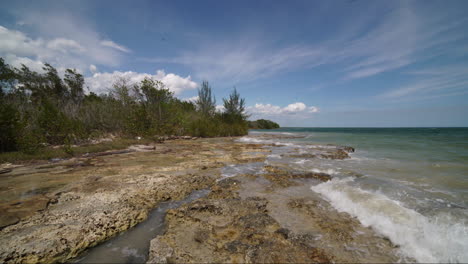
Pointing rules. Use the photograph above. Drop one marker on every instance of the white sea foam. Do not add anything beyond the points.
(321, 146)
(274, 156)
(251, 140)
(302, 161)
(359, 158)
(439, 238)
(327, 171)
(238, 169)
(284, 144)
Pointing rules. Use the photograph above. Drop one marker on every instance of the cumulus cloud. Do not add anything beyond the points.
(93, 68)
(16, 61)
(16, 43)
(102, 82)
(220, 108)
(175, 82)
(274, 110)
(192, 99)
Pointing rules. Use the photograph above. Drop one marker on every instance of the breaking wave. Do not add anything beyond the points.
(439, 238)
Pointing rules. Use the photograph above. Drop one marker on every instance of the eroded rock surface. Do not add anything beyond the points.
(270, 217)
(266, 218)
(228, 229)
(51, 212)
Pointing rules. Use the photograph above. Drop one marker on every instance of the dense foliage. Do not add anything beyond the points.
(263, 124)
(38, 109)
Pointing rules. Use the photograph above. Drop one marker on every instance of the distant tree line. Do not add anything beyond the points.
(38, 109)
(262, 124)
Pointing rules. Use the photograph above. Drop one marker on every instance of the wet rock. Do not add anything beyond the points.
(337, 154)
(13, 212)
(284, 232)
(159, 252)
(228, 183)
(348, 149)
(256, 221)
(304, 156)
(225, 188)
(283, 177)
(200, 236)
(329, 152)
(5, 170)
(8, 219)
(340, 228)
(238, 230)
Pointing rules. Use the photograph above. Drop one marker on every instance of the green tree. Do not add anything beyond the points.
(7, 77)
(206, 103)
(157, 98)
(75, 83)
(54, 82)
(234, 107)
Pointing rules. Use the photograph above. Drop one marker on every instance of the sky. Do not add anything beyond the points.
(350, 63)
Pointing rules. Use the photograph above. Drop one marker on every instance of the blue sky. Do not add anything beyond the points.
(301, 63)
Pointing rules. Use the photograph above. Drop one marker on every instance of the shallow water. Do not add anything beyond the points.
(408, 184)
(132, 246)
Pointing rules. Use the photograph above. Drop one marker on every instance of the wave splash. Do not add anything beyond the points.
(439, 238)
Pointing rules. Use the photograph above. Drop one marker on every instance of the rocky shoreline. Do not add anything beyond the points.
(79, 203)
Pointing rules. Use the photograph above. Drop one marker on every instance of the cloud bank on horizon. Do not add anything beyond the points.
(288, 59)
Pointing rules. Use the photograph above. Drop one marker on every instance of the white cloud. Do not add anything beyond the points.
(112, 44)
(16, 61)
(93, 68)
(267, 109)
(296, 107)
(313, 109)
(18, 44)
(192, 99)
(220, 108)
(174, 82)
(274, 110)
(102, 82)
(64, 43)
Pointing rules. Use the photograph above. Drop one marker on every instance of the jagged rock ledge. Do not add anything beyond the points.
(73, 207)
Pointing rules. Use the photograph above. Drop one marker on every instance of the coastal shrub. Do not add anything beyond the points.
(9, 127)
(262, 124)
(45, 108)
(29, 141)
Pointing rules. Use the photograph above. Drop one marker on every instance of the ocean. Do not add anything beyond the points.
(408, 184)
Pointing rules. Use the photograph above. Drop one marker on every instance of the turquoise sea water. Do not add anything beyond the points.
(409, 184)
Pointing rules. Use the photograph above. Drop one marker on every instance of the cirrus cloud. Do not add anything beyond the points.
(112, 44)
